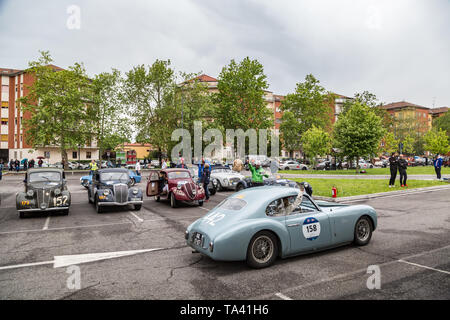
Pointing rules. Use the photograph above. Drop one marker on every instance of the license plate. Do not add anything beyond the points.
(197, 239)
(135, 199)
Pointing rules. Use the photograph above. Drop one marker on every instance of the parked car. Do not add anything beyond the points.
(45, 190)
(154, 163)
(363, 164)
(293, 165)
(273, 180)
(324, 165)
(225, 178)
(180, 187)
(112, 187)
(134, 178)
(257, 227)
(73, 165)
(264, 160)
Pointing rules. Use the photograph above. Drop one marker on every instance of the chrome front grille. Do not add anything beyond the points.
(121, 192)
(190, 190)
(43, 196)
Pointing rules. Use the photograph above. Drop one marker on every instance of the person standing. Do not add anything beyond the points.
(93, 167)
(138, 168)
(1, 169)
(437, 163)
(206, 174)
(11, 165)
(40, 163)
(393, 166)
(163, 164)
(17, 163)
(402, 166)
(257, 174)
(182, 165)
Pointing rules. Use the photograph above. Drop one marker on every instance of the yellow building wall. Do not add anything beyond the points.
(141, 151)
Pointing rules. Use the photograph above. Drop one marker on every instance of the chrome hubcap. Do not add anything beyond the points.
(262, 249)
(363, 230)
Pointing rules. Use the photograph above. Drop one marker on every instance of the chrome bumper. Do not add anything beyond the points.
(42, 210)
(119, 203)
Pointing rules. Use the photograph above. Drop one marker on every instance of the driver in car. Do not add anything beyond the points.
(163, 185)
(290, 206)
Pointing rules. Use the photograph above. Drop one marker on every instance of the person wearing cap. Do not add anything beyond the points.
(393, 166)
(402, 166)
(258, 174)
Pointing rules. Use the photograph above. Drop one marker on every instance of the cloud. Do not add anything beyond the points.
(395, 49)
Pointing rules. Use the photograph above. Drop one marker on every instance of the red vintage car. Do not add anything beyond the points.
(175, 185)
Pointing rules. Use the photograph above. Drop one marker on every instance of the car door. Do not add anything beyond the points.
(309, 228)
(153, 183)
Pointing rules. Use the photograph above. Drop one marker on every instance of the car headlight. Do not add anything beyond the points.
(211, 246)
(57, 192)
(106, 192)
(186, 234)
(30, 193)
(179, 187)
(135, 191)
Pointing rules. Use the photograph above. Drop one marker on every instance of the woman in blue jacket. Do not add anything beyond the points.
(437, 162)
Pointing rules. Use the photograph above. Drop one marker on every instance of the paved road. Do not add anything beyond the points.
(413, 228)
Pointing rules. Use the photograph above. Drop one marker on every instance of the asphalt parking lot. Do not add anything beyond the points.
(411, 247)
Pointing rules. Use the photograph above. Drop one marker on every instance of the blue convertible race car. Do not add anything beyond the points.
(87, 180)
(263, 223)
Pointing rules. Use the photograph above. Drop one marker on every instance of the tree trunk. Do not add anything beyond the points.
(64, 158)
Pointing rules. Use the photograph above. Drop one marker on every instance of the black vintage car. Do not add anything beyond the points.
(45, 190)
(113, 187)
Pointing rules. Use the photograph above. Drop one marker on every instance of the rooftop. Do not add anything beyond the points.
(402, 104)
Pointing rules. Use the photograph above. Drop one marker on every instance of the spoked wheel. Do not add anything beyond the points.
(219, 186)
(363, 231)
(173, 201)
(157, 198)
(262, 250)
(239, 187)
(21, 215)
(133, 182)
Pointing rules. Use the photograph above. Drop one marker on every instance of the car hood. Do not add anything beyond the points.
(223, 175)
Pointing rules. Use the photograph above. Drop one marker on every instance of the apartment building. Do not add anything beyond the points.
(13, 144)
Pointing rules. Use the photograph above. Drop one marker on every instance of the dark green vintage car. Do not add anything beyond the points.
(45, 190)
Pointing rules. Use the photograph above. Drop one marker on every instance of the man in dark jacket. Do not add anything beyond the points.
(437, 163)
(206, 174)
(402, 166)
(393, 165)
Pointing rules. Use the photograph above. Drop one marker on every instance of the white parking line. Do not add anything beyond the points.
(282, 296)
(134, 215)
(422, 266)
(204, 209)
(47, 221)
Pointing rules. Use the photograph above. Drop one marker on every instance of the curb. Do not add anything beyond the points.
(382, 194)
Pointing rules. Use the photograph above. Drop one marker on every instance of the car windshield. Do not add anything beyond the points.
(179, 175)
(232, 204)
(114, 176)
(45, 176)
(225, 170)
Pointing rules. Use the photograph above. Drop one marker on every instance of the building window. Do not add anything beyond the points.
(47, 154)
(4, 137)
(74, 155)
(4, 104)
(5, 88)
(5, 121)
(88, 154)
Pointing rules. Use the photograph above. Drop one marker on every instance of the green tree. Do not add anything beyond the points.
(443, 122)
(436, 141)
(316, 142)
(390, 143)
(59, 104)
(239, 102)
(308, 106)
(358, 132)
(149, 93)
(114, 125)
(408, 144)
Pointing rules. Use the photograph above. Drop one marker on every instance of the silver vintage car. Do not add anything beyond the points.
(45, 190)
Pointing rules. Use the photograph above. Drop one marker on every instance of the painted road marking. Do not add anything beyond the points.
(64, 261)
(343, 275)
(282, 296)
(135, 215)
(47, 221)
(422, 266)
(204, 208)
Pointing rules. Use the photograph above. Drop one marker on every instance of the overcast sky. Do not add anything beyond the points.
(396, 49)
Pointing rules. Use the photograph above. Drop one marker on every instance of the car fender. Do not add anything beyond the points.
(232, 245)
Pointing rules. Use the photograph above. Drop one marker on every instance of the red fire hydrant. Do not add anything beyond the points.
(334, 192)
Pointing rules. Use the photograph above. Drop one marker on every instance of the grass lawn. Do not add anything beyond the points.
(350, 187)
(374, 171)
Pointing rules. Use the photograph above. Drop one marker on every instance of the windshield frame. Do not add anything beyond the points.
(29, 175)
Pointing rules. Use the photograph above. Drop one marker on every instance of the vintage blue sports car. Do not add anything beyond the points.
(260, 224)
(134, 178)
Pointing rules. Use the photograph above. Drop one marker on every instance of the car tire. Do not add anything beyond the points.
(173, 200)
(219, 186)
(157, 198)
(21, 215)
(137, 207)
(213, 191)
(133, 182)
(89, 196)
(65, 212)
(200, 203)
(363, 231)
(260, 260)
(98, 208)
(240, 187)
(286, 168)
(304, 168)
